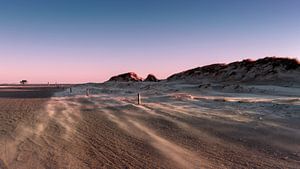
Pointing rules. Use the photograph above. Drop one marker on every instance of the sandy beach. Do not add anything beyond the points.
(176, 126)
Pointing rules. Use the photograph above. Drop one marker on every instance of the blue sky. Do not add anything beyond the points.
(82, 41)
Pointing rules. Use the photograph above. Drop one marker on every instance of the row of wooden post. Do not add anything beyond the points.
(139, 99)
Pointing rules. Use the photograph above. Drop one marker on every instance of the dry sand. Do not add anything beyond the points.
(177, 126)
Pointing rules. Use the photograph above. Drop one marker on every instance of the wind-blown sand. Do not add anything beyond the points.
(177, 126)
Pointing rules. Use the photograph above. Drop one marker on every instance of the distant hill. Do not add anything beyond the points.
(151, 78)
(269, 69)
(132, 77)
(126, 77)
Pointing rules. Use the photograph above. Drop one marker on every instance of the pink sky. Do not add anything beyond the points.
(78, 42)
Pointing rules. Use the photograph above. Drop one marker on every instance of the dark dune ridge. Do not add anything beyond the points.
(277, 70)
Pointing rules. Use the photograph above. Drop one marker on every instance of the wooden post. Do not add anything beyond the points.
(139, 99)
(70, 89)
(87, 92)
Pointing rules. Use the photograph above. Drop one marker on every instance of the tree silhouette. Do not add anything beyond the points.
(23, 82)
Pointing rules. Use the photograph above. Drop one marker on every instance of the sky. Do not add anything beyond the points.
(77, 41)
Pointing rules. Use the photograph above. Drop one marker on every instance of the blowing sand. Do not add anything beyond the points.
(177, 126)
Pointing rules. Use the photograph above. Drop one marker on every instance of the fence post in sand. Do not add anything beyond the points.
(70, 89)
(139, 99)
(87, 92)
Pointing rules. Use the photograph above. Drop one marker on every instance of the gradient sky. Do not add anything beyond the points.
(75, 41)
